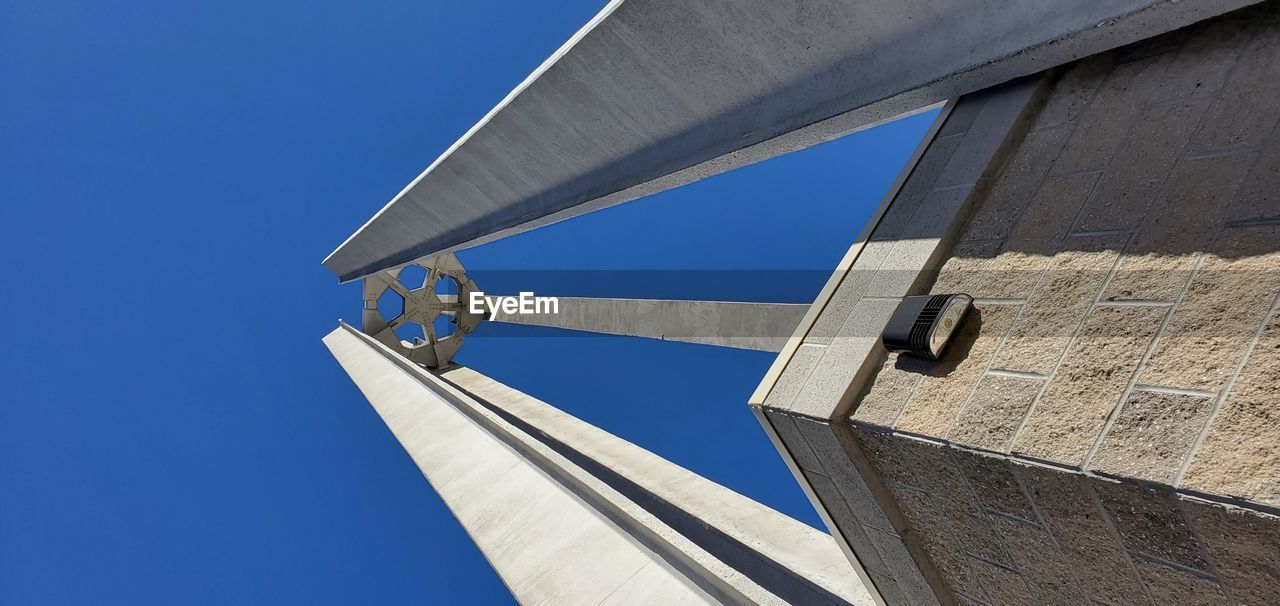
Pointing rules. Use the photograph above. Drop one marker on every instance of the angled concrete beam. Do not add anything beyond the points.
(568, 513)
(760, 326)
(651, 95)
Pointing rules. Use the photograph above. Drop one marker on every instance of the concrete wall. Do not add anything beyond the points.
(835, 352)
(1105, 427)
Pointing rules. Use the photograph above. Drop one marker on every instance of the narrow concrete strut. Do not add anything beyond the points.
(568, 513)
(654, 94)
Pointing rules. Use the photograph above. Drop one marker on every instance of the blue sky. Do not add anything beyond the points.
(172, 429)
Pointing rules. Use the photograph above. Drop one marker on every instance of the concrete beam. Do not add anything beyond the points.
(568, 513)
(651, 95)
(760, 326)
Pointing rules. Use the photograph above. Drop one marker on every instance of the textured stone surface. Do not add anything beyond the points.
(917, 188)
(1152, 436)
(1245, 110)
(857, 517)
(1149, 521)
(847, 295)
(1245, 548)
(890, 390)
(1018, 181)
(1228, 298)
(1119, 100)
(909, 583)
(947, 383)
(995, 411)
(1259, 197)
(1169, 586)
(977, 270)
(934, 496)
(1093, 375)
(1003, 584)
(1126, 190)
(1082, 532)
(994, 484)
(1140, 267)
(833, 376)
(1074, 90)
(837, 465)
(1240, 455)
(1051, 213)
(1170, 241)
(1150, 277)
(803, 362)
(1051, 577)
(1056, 307)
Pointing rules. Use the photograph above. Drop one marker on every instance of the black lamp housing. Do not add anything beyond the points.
(923, 325)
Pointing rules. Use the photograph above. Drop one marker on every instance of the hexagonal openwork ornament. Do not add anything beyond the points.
(429, 316)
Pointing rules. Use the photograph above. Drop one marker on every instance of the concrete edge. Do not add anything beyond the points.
(687, 559)
(846, 263)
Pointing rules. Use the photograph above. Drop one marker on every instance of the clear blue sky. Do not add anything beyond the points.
(172, 173)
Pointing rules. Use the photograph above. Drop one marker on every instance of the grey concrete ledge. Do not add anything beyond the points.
(651, 95)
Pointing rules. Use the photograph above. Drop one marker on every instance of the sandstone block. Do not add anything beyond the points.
(1129, 183)
(1245, 547)
(1051, 577)
(1101, 564)
(948, 382)
(1245, 111)
(890, 389)
(918, 185)
(1240, 455)
(1152, 436)
(849, 293)
(1228, 298)
(1051, 212)
(1150, 521)
(1004, 585)
(993, 481)
(1102, 128)
(1089, 383)
(1058, 305)
(1074, 90)
(910, 585)
(794, 376)
(1169, 586)
(994, 413)
(1017, 183)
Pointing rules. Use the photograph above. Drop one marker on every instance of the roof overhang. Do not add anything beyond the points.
(651, 95)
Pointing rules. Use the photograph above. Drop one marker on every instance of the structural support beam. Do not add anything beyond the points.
(652, 94)
(759, 326)
(566, 512)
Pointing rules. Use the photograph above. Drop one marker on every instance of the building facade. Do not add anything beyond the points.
(1103, 429)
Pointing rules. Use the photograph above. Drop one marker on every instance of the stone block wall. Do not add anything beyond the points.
(1106, 428)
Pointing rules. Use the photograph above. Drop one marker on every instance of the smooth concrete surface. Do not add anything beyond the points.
(760, 326)
(547, 545)
(529, 482)
(791, 559)
(651, 95)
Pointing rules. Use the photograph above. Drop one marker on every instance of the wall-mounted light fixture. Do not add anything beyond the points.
(924, 325)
